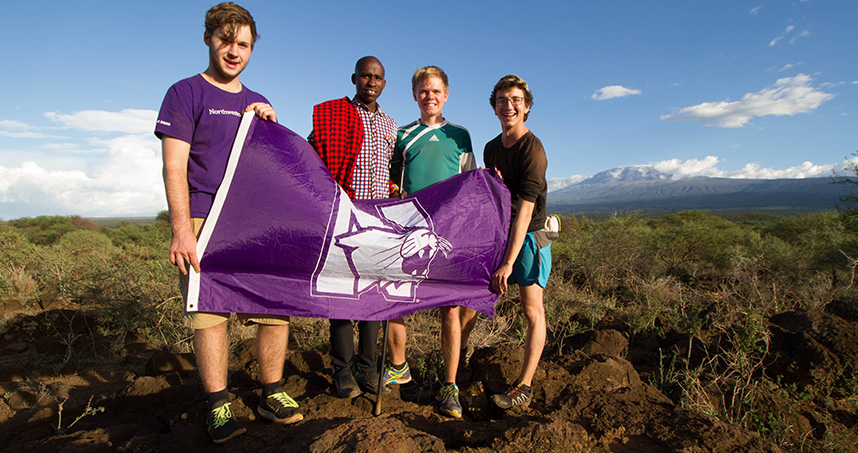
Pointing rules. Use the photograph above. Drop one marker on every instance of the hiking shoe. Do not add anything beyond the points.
(280, 408)
(517, 395)
(449, 399)
(346, 386)
(463, 370)
(396, 376)
(222, 425)
(367, 381)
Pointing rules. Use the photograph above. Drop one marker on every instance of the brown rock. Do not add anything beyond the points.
(373, 435)
(16, 348)
(150, 385)
(164, 362)
(24, 399)
(605, 372)
(610, 342)
(559, 435)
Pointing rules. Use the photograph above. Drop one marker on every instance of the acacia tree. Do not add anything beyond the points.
(848, 206)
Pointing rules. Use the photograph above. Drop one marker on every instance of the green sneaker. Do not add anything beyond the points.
(280, 408)
(222, 425)
(449, 399)
(396, 376)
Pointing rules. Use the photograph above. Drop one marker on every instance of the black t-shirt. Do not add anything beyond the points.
(523, 169)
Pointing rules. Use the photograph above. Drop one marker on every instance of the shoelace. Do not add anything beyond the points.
(516, 394)
(221, 415)
(391, 374)
(284, 399)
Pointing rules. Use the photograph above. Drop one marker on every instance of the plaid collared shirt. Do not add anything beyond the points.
(371, 176)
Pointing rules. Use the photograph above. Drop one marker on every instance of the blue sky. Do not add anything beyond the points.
(728, 88)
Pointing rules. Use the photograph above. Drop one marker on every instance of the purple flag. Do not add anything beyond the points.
(283, 238)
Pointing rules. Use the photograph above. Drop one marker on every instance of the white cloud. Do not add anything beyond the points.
(122, 176)
(25, 134)
(708, 166)
(830, 84)
(126, 182)
(788, 96)
(786, 66)
(12, 125)
(17, 129)
(805, 170)
(559, 183)
(690, 168)
(61, 146)
(128, 121)
(755, 10)
(786, 32)
(613, 91)
(803, 34)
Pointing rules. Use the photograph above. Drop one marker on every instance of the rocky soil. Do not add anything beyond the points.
(595, 394)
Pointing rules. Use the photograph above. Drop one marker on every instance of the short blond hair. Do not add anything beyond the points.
(425, 73)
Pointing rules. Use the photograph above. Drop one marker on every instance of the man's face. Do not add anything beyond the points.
(369, 81)
(510, 107)
(230, 57)
(431, 96)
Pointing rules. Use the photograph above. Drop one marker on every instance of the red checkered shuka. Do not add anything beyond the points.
(337, 136)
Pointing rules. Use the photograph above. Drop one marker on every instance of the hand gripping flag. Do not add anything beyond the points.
(283, 238)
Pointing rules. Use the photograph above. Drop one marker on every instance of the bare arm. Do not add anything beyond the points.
(516, 239)
(183, 248)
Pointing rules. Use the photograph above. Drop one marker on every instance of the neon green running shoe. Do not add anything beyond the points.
(222, 425)
(396, 376)
(449, 399)
(280, 408)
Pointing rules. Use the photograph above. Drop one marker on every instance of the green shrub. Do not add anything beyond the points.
(694, 246)
(16, 262)
(608, 255)
(44, 230)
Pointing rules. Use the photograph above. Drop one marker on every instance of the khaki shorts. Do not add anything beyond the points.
(200, 320)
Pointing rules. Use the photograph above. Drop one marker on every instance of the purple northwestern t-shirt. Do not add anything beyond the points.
(197, 112)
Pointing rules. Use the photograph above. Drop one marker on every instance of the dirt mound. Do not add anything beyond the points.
(813, 349)
(63, 389)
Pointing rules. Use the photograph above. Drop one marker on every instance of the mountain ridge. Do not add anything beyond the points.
(645, 189)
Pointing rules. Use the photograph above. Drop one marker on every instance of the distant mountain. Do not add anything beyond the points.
(559, 183)
(644, 189)
(627, 175)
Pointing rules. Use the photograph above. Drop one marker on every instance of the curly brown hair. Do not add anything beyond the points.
(230, 16)
(512, 81)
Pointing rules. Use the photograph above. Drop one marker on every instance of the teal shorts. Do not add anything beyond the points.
(533, 265)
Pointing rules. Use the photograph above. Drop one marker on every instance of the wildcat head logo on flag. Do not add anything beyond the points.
(400, 242)
(283, 238)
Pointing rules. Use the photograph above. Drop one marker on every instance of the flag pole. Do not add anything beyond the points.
(377, 409)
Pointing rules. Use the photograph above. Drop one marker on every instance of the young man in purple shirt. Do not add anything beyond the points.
(197, 124)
